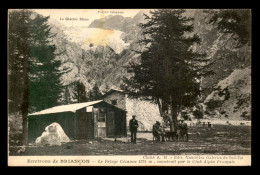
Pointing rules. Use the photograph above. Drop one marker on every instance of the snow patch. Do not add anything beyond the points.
(90, 38)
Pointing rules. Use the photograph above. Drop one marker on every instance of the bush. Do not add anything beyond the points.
(246, 116)
(225, 92)
(185, 115)
(213, 104)
(198, 114)
(222, 112)
(242, 101)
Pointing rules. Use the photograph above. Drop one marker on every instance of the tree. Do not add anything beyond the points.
(233, 21)
(198, 112)
(33, 72)
(18, 64)
(95, 94)
(45, 75)
(185, 115)
(169, 70)
(79, 92)
(67, 99)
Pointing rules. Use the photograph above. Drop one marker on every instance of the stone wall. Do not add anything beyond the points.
(147, 113)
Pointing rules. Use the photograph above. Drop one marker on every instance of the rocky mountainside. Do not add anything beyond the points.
(97, 54)
(231, 97)
(227, 93)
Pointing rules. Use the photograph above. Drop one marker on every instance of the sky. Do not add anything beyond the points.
(83, 17)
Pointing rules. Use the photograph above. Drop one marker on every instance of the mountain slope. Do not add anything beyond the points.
(98, 54)
(94, 55)
(232, 96)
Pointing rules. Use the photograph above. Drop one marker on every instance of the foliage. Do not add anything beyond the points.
(94, 94)
(185, 115)
(18, 65)
(242, 101)
(233, 21)
(169, 70)
(80, 92)
(222, 112)
(45, 84)
(33, 72)
(246, 116)
(213, 104)
(18, 60)
(67, 99)
(198, 114)
(225, 92)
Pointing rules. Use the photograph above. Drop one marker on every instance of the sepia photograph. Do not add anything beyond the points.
(129, 87)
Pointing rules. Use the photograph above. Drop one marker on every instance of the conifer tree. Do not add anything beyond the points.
(67, 96)
(79, 92)
(18, 65)
(169, 70)
(45, 75)
(33, 72)
(95, 93)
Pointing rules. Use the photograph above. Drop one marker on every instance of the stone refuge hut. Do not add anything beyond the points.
(147, 113)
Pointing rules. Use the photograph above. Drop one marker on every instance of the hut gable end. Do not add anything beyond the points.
(116, 98)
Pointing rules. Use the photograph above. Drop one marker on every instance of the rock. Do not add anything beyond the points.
(53, 135)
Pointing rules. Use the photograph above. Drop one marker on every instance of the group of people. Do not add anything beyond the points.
(180, 131)
(158, 130)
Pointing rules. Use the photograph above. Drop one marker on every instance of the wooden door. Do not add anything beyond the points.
(110, 124)
(99, 123)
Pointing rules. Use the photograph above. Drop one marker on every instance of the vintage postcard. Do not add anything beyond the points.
(129, 87)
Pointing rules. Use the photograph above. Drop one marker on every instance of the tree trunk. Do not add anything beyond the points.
(25, 129)
(160, 106)
(174, 118)
(174, 113)
(166, 117)
(171, 124)
(25, 124)
(25, 108)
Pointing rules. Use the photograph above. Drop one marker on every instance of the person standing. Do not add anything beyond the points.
(133, 124)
